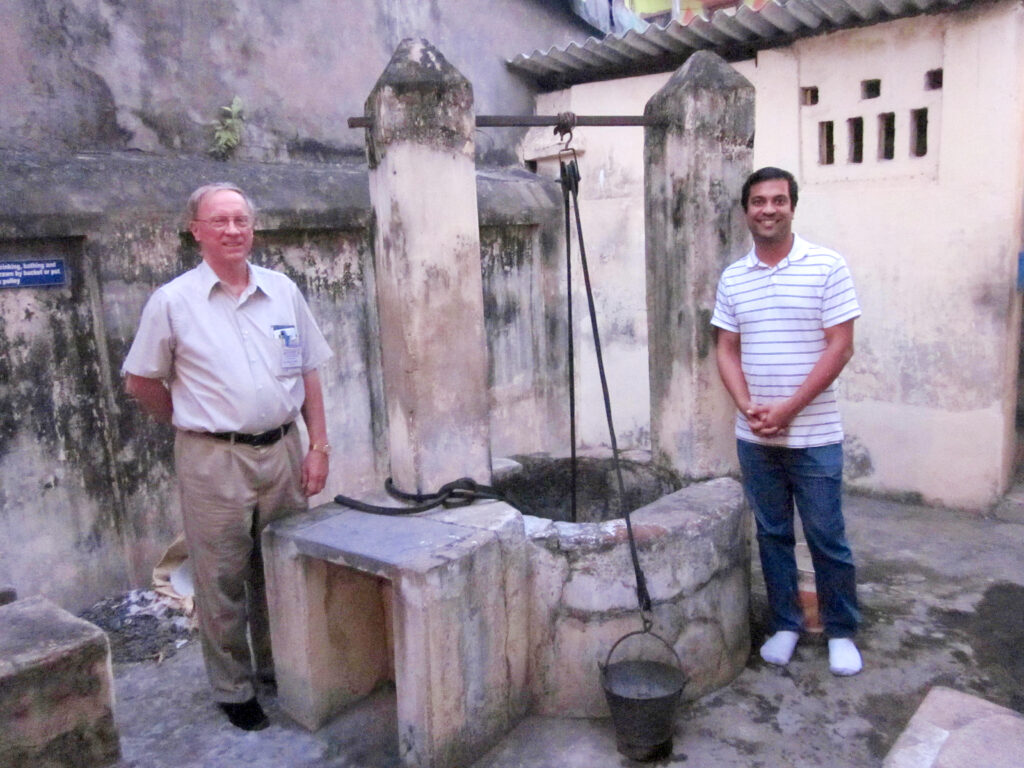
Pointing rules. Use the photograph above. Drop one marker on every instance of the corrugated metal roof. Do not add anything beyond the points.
(733, 33)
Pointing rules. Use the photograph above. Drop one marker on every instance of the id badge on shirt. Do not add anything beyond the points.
(291, 348)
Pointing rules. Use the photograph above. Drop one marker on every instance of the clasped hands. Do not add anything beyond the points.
(769, 420)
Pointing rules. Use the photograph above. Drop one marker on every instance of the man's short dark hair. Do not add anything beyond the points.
(768, 173)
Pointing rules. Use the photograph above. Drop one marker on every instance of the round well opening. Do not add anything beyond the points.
(542, 487)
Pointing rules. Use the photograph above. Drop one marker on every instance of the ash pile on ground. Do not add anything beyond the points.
(142, 625)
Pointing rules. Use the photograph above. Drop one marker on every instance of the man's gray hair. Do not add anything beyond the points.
(196, 198)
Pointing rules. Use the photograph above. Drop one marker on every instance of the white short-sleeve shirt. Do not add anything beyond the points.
(232, 365)
(781, 313)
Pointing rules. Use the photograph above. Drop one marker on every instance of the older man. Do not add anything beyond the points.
(228, 353)
(784, 315)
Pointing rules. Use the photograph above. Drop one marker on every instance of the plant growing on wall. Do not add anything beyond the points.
(227, 132)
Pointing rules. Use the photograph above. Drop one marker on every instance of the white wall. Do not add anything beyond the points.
(929, 398)
(931, 240)
(612, 213)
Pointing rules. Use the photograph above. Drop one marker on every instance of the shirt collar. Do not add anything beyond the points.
(208, 280)
(797, 252)
(207, 277)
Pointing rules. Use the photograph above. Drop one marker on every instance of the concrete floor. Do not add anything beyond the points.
(942, 593)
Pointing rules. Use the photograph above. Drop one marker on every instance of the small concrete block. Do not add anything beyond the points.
(7, 594)
(56, 689)
(955, 730)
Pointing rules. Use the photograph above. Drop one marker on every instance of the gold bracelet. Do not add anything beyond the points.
(325, 449)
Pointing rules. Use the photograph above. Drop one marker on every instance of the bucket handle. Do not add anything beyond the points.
(666, 643)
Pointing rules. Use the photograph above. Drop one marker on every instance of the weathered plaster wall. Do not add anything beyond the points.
(612, 212)
(106, 121)
(87, 498)
(56, 433)
(521, 242)
(104, 74)
(929, 398)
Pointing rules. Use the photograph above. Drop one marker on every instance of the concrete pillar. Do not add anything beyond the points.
(695, 164)
(427, 261)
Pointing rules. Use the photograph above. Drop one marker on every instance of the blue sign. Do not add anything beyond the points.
(32, 274)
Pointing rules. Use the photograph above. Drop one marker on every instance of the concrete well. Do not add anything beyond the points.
(693, 549)
(492, 614)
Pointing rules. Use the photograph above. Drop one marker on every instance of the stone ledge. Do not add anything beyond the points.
(72, 195)
(448, 591)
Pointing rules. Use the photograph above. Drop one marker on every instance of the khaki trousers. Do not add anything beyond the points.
(229, 493)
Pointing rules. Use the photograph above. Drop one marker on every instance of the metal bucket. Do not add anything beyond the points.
(642, 696)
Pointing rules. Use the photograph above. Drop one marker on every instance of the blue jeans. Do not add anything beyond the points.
(775, 477)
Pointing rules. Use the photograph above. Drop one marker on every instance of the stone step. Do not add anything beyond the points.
(56, 688)
(956, 730)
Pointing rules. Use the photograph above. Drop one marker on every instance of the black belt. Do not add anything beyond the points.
(263, 438)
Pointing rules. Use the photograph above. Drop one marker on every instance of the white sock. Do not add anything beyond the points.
(843, 657)
(778, 649)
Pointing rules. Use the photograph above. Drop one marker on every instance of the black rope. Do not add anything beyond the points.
(458, 493)
(570, 183)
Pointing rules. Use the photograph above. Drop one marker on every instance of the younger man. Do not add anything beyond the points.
(784, 314)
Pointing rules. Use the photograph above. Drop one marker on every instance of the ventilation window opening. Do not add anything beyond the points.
(826, 143)
(855, 128)
(887, 136)
(809, 96)
(933, 80)
(870, 89)
(919, 132)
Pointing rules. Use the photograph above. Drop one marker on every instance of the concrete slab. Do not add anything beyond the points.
(381, 544)
(952, 729)
(1011, 507)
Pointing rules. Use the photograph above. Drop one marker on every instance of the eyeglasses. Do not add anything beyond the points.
(222, 222)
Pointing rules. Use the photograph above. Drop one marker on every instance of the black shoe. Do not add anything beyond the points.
(248, 715)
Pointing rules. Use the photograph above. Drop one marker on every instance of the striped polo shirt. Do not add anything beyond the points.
(780, 313)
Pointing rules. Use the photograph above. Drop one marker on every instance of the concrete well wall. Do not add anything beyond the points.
(693, 547)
